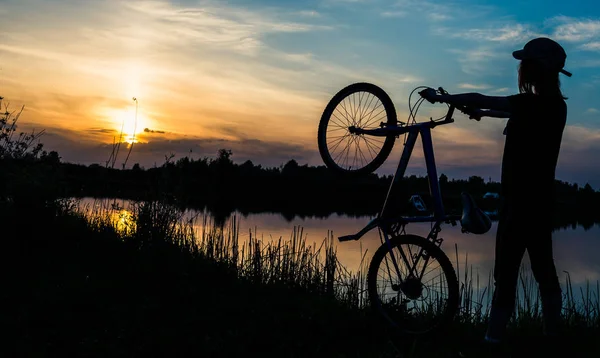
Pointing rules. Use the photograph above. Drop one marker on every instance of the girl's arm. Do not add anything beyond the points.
(473, 100)
(477, 114)
(495, 114)
(476, 100)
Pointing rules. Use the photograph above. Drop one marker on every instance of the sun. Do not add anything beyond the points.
(129, 126)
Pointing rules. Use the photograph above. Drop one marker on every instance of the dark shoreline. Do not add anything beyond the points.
(222, 187)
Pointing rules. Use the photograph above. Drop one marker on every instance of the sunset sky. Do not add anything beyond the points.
(255, 76)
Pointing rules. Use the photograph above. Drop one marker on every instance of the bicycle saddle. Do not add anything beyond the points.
(473, 219)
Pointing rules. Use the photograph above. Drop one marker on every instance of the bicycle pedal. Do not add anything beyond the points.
(347, 238)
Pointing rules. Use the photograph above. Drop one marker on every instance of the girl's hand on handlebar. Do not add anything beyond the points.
(475, 114)
(430, 95)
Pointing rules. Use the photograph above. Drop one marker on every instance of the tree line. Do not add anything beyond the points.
(222, 186)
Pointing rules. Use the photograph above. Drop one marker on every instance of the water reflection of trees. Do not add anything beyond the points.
(222, 186)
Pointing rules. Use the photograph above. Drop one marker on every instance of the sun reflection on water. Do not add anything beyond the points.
(123, 221)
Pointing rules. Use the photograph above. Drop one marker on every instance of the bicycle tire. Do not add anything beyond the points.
(451, 308)
(391, 120)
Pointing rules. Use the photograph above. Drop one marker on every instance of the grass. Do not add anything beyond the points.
(95, 286)
(102, 281)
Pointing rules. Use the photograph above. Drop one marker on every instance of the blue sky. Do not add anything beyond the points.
(255, 75)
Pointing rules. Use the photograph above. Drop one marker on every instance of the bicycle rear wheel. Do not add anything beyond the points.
(362, 105)
(420, 301)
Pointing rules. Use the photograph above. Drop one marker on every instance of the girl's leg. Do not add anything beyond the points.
(510, 248)
(544, 271)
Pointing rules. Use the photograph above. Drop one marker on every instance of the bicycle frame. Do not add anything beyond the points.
(385, 221)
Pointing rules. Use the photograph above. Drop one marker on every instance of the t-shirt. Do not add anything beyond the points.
(533, 137)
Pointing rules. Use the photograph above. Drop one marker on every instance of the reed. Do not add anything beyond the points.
(313, 271)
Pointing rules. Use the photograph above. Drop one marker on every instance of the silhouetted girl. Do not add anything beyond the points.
(536, 119)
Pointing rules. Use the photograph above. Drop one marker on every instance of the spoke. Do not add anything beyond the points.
(371, 151)
(368, 106)
(377, 144)
(360, 151)
(347, 150)
(338, 136)
(338, 123)
(348, 107)
(345, 119)
(380, 117)
(338, 143)
(360, 97)
(376, 117)
(354, 108)
(334, 145)
(345, 110)
(411, 256)
(387, 266)
(373, 110)
(442, 274)
(355, 152)
(337, 129)
(341, 152)
(438, 266)
(343, 115)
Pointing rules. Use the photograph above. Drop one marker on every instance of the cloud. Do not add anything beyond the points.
(192, 65)
(219, 71)
(501, 90)
(513, 33)
(575, 30)
(441, 11)
(148, 130)
(592, 81)
(394, 14)
(266, 153)
(473, 86)
(309, 13)
(234, 23)
(586, 63)
(476, 60)
(578, 145)
(436, 16)
(351, 5)
(467, 148)
(462, 149)
(303, 58)
(103, 130)
(591, 46)
(592, 111)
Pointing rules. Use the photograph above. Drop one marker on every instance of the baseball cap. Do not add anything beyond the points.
(545, 50)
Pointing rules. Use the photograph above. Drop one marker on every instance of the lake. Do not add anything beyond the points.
(575, 249)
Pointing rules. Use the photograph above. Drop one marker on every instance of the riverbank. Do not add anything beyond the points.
(146, 284)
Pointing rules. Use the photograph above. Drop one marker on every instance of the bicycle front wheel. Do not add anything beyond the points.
(413, 284)
(364, 106)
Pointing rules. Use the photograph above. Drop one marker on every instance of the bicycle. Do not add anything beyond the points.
(411, 305)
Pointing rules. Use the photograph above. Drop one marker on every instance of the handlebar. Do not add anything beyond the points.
(463, 109)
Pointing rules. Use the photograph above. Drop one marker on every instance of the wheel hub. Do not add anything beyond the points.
(412, 288)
